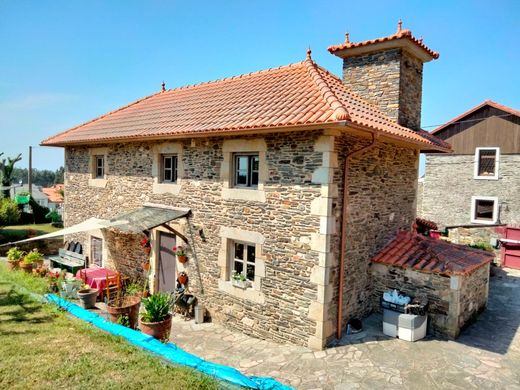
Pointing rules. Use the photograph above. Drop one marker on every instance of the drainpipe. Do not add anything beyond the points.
(350, 155)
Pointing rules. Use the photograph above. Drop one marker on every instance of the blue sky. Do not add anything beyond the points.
(65, 62)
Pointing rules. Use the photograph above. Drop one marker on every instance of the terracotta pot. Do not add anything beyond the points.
(159, 330)
(27, 267)
(147, 250)
(87, 297)
(182, 259)
(182, 278)
(12, 264)
(129, 308)
(146, 266)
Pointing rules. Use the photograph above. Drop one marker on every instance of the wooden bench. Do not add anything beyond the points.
(69, 259)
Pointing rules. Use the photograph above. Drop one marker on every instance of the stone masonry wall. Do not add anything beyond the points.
(413, 283)
(473, 295)
(285, 220)
(392, 80)
(382, 188)
(477, 235)
(449, 184)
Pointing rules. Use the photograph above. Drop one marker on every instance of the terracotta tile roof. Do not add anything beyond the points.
(490, 103)
(426, 223)
(297, 95)
(425, 254)
(400, 34)
(53, 194)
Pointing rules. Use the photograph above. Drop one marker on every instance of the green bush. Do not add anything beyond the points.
(15, 254)
(482, 245)
(32, 256)
(54, 216)
(157, 307)
(9, 212)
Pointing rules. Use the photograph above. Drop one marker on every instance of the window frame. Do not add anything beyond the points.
(97, 167)
(92, 258)
(174, 168)
(478, 152)
(245, 262)
(249, 170)
(494, 219)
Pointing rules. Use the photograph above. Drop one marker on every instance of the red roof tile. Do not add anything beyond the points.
(53, 193)
(490, 103)
(297, 95)
(400, 34)
(425, 254)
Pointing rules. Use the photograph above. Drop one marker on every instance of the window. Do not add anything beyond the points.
(484, 209)
(99, 168)
(246, 170)
(243, 259)
(96, 251)
(486, 163)
(169, 168)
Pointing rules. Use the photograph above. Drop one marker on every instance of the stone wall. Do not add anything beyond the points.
(284, 219)
(413, 283)
(454, 301)
(382, 188)
(477, 235)
(392, 80)
(449, 184)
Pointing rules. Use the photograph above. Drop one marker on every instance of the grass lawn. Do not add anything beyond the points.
(43, 348)
(20, 232)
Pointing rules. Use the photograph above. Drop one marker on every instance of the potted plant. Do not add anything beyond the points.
(182, 278)
(123, 305)
(14, 256)
(239, 280)
(70, 287)
(29, 259)
(180, 252)
(54, 278)
(87, 296)
(145, 244)
(156, 319)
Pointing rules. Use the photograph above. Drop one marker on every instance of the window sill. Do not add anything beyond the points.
(249, 293)
(486, 177)
(166, 188)
(254, 195)
(481, 222)
(99, 183)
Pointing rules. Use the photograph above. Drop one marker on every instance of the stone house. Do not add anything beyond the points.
(289, 176)
(478, 183)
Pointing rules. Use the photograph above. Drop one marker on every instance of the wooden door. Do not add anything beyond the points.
(167, 272)
(511, 250)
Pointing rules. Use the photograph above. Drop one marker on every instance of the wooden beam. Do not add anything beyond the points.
(168, 227)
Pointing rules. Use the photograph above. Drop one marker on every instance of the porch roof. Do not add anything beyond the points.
(146, 218)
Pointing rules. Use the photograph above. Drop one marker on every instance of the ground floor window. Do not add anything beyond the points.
(484, 209)
(243, 259)
(96, 251)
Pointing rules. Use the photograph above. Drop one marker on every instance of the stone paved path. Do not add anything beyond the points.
(485, 356)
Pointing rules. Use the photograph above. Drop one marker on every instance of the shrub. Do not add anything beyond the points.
(157, 307)
(32, 256)
(15, 254)
(9, 212)
(482, 245)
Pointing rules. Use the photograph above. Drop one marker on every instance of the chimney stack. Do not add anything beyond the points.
(388, 72)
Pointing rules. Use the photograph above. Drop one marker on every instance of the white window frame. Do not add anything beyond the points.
(174, 168)
(233, 258)
(249, 170)
(95, 180)
(474, 200)
(160, 186)
(477, 161)
(98, 167)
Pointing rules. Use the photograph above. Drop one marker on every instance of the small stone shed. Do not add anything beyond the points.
(455, 278)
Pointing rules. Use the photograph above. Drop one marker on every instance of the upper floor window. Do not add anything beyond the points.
(484, 209)
(486, 163)
(169, 168)
(246, 170)
(99, 168)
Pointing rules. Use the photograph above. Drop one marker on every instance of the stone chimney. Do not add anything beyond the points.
(388, 72)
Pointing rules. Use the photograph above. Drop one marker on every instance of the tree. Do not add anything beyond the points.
(9, 212)
(6, 169)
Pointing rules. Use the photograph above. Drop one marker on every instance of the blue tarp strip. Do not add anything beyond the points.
(168, 351)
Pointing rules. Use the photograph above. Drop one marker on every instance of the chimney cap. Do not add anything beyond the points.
(163, 86)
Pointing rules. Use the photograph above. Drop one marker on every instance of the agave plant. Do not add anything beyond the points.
(157, 307)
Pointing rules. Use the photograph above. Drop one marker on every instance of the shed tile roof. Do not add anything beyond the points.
(53, 193)
(300, 94)
(400, 34)
(425, 254)
(490, 103)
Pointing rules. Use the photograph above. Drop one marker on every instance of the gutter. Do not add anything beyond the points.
(344, 221)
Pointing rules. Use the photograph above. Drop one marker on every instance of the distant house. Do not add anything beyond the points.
(54, 196)
(477, 187)
(250, 173)
(37, 194)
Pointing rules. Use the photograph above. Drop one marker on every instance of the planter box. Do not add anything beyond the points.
(243, 284)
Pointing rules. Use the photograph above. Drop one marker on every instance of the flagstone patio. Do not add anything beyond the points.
(486, 355)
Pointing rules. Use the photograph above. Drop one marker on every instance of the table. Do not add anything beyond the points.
(96, 277)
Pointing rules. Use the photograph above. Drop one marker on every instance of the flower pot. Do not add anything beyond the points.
(147, 250)
(182, 278)
(27, 267)
(87, 297)
(182, 259)
(146, 266)
(12, 264)
(130, 308)
(159, 330)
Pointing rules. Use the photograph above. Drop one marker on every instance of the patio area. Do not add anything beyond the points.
(486, 355)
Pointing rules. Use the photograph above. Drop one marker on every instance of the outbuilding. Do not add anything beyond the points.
(454, 278)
